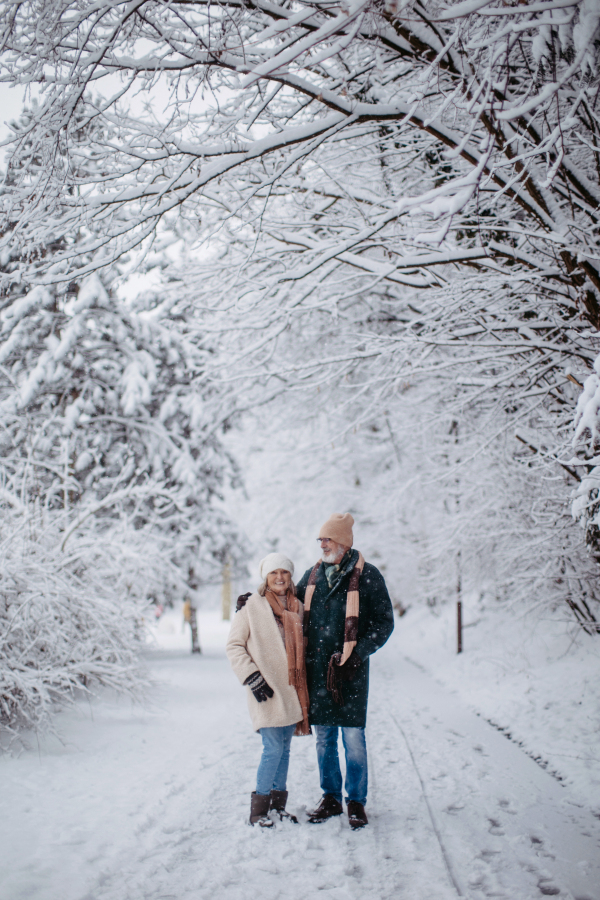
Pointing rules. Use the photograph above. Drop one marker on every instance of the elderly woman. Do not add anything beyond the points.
(266, 651)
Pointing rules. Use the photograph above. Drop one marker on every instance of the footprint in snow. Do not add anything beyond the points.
(488, 855)
(547, 888)
(454, 808)
(495, 827)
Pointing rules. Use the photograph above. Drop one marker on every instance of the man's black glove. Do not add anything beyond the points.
(348, 671)
(241, 601)
(259, 686)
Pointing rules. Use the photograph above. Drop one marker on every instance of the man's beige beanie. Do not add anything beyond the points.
(338, 527)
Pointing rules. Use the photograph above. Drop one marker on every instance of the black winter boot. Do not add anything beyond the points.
(327, 808)
(259, 810)
(357, 816)
(278, 801)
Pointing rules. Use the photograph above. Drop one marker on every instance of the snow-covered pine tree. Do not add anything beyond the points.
(110, 463)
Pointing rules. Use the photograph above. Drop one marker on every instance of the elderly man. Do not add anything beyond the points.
(347, 617)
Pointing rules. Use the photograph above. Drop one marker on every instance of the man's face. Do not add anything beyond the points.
(331, 552)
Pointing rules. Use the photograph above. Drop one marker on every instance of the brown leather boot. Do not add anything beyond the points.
(278, 801)
(357, 817)
(259, 810)
(327, 808)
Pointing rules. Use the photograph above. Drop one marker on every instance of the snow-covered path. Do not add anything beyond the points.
(152, 805)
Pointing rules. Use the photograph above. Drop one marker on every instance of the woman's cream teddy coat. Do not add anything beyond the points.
(255, 643)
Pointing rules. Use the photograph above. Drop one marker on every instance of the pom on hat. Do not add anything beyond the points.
(338, 528)
(275, 561)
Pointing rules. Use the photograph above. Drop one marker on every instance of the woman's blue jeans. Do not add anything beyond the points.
(275, 759)
(355, 747)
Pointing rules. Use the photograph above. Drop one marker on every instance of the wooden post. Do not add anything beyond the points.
(459, 626)
(66, 480)
(194, 627)
(226, 592)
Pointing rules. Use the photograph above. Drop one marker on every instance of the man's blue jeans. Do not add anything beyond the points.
(357, 776)
(275, 759)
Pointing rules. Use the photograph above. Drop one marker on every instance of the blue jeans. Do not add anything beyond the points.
(357, 774)
(275, 759)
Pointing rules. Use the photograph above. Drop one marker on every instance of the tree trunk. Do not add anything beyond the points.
(194, 627)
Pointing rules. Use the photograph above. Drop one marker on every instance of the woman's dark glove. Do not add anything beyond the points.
(348, 671)
(259, 686)
(241, 601)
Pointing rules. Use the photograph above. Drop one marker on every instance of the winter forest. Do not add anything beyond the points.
(262, 260)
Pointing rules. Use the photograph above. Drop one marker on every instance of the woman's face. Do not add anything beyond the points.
(279, 581)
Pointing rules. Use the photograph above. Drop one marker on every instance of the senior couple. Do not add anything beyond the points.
(303, 653)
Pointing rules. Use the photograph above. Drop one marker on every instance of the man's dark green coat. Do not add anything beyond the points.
(326, 636)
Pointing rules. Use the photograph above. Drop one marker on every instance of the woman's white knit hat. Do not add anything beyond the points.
(275, 561)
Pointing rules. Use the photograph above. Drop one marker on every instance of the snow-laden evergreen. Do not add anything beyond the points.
(110, 465)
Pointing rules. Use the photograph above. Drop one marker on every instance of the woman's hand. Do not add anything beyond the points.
(259, 687)
(241, 601)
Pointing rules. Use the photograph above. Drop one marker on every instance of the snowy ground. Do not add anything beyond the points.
(151, 804)
(533, 674)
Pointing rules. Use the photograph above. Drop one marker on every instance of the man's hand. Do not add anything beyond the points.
(348, 671)
(259, 687)
(241, 601)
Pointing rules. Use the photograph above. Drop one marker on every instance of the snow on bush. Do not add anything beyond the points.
(586, 441)
(68, 620)
(587, 414)
(586, 508)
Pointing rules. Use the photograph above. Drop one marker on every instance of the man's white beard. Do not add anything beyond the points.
(331, 557)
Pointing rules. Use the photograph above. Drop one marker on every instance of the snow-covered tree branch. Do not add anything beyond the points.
(501, 101)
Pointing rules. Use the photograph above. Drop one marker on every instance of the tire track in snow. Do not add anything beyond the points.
(434, 825)
(408, 850)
